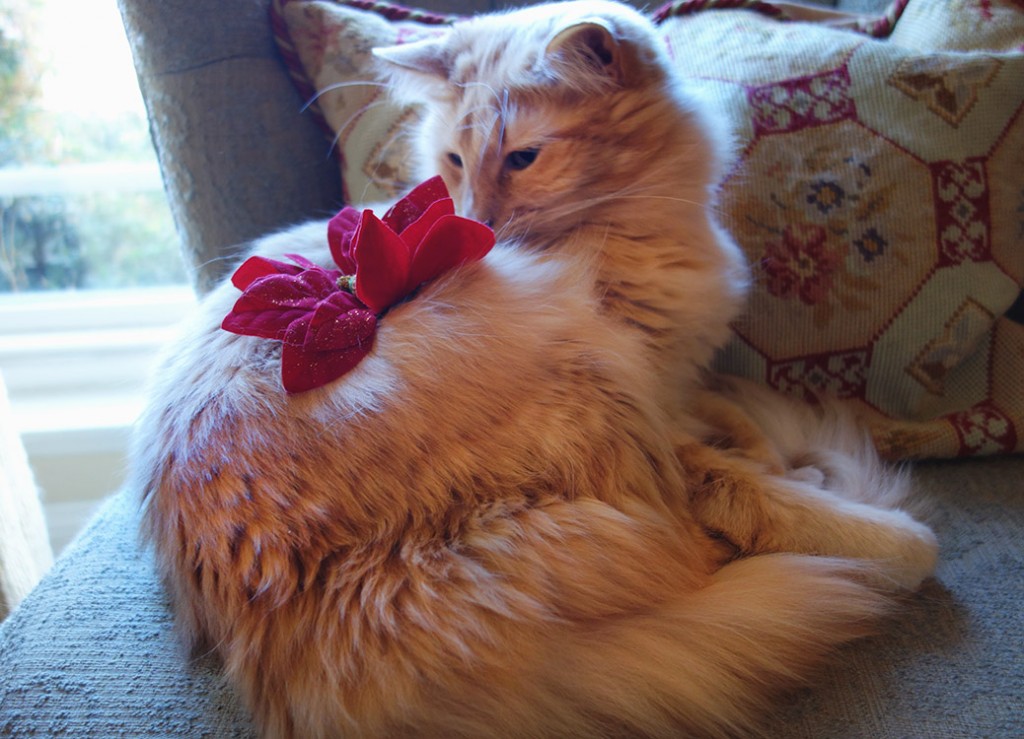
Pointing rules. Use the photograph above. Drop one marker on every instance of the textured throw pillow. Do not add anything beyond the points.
(878, 192)
(326, 46)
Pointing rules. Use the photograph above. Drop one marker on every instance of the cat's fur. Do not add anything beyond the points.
(510, 519)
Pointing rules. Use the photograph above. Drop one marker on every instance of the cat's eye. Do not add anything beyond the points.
(455, 159)
(521, 159)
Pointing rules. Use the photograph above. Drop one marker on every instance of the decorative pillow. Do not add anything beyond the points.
(878, 192)
(326, 46)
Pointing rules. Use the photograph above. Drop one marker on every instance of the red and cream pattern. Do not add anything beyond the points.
(327, 46)
(879, 192)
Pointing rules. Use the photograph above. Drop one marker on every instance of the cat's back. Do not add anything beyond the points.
(487, 382)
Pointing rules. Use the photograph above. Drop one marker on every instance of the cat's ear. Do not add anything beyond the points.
(427, 57)
(590, 44)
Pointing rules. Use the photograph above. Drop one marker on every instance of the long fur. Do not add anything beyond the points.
(526, 512)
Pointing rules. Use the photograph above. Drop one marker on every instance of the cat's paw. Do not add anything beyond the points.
(908, 555)
(807, 474)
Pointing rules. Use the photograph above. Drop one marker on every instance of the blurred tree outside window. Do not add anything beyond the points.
(81, 203)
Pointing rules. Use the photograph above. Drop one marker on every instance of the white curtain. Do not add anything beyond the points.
(25, 552)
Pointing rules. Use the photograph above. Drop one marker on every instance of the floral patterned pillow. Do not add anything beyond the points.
(878, 193)
(326, 46)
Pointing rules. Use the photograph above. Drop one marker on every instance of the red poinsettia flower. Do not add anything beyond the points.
(419, 239)
(325, 328)
(326, 331)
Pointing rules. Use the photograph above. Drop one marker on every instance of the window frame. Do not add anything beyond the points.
(76, 365)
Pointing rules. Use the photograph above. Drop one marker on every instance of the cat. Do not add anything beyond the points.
(528, 511)
(569, 167)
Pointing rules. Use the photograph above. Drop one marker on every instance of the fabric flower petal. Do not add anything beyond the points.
(414, 233)
(306, 365)
(265, 324)
(319, 282)
(383, 261)
(451, 241)
(324, 328)
(407, 210)
(331, 329)
(269, 305)
(340, 232)
(255, 267)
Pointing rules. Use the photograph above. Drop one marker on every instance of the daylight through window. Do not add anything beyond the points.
(81, 202)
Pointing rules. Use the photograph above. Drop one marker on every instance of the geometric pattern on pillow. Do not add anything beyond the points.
(878, 191)
(879, 196)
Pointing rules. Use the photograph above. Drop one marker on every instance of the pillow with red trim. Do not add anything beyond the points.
(326, 46)
(878, 192)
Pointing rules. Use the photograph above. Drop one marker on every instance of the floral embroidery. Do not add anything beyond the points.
(801, 265)
(871, 245)
(826, 195)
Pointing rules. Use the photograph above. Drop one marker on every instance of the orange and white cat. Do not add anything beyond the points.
(526, 512)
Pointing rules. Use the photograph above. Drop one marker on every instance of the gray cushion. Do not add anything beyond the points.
(91, 652)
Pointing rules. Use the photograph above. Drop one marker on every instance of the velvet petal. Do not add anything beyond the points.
(340, 232)
(321, 347)
(383, 260)
(451, 241)
(415, 232)
(409, 209)
(255, 267)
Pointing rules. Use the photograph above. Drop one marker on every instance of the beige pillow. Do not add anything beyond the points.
(878, 193)
(326, 46)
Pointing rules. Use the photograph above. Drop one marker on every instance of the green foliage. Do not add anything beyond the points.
(39, 247)
(130, 239)
(22, 130)
(94, 240)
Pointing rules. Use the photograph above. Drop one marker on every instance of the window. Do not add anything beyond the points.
(91, 280)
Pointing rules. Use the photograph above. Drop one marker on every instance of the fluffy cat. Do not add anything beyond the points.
(569, 133)
(510, 519)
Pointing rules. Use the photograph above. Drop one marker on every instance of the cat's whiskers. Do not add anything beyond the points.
(350, 121)
(477, 83)
(635, 192)
(227, 259)
(471, 112)
(504, 113)
(338, 86)
(400, 133)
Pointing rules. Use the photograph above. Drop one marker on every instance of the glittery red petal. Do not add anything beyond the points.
(418, 229)
(319, 350)
(340, 231)
(407, 210)
(254, 268)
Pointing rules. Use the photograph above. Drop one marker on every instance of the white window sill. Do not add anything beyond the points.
(75, 366)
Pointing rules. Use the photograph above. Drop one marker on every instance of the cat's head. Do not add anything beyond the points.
(537, 116)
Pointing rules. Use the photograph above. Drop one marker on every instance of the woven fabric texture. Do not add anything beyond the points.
(876, 192)
(239, 159)
(877, 195)
(91, 653)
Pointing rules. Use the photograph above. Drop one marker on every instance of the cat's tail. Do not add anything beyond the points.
(568, 619)
(712, 662)
(824, 443)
